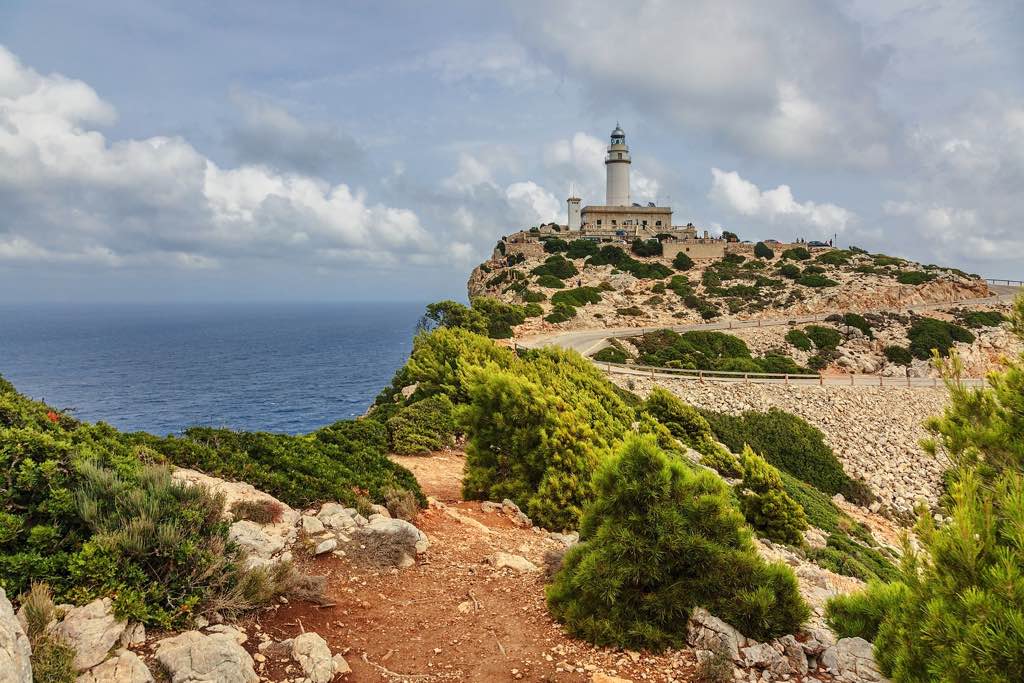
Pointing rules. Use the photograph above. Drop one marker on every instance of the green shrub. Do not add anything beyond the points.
(858, 615)
(926, 334)
(424, 426)
(561, 313)
(499, 316)
(813, 270)
(913, 277)
(607, 255)
(765, 504)
(555, 245)
(823, 337)
(658, 541)
(651, 247)
(630, 311)
(557, 266)
(260, 510)
(680, 284)
(452, 314)
(796, 254)
(550, 281)
(816, 280)
(790, 270)
(581, 249)
(537, 428)
(784, 440)
(710, 279)
(698, 350)
(762, 250)
(883, 260)
(682, 261)
(615, 256)
(858, 321)
(52, 657)
(722, 461)
(900, 355)
(976, 319)
(610, 354)
(834, 257)
(682, 420)
(799, 339)
(532, 297)
(578, 296)
(439, 360)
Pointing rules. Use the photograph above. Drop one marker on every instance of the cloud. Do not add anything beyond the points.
(497, 58)
(268, 134)
(744, 198)
(794, 83)
(70, 195)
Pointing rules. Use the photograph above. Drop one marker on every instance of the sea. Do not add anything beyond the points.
(280, 367)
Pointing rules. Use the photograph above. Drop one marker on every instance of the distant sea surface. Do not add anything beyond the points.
(161, 368)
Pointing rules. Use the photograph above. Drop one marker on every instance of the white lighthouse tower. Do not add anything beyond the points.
(617, 170)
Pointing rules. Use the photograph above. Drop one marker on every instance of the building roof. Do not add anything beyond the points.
(627, 209)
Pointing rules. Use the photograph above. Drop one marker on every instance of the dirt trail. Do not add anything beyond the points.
(452, 617)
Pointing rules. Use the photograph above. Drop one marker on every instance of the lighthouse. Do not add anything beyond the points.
(616, 165)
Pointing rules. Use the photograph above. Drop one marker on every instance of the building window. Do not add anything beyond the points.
(620, 155)
(658, 223)
(687, 249)
(599, 222)
(614, 222)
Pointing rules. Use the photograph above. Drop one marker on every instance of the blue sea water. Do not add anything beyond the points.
(161, 368)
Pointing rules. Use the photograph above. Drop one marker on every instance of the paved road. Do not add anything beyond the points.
(591, 340)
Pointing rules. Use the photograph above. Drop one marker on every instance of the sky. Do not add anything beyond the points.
(326, 150)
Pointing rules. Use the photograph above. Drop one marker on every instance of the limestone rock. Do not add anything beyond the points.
(255, 539)
(193, 657)
(325, 546)
(764, 656)
(92, 631)
(311, 525)
(335, 516)
(515, 562)
(793, 651)
(399, 527)
(134, 634)
(123, 667)
(15, 652)
(605, 678)
(851, 660)
(707, 632)
(340, 665)
(314, 656)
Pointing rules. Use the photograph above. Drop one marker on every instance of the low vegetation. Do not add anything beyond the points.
(928, 334)
(422, 427)
(766, 505)
(701, 350)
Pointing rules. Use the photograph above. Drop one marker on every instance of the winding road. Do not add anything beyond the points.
(588, 341)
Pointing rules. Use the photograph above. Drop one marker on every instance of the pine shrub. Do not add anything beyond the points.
(424, 426)
(762, 250)
(858, 615)
(928, 334)
(900, 355)
(577, 296)
(682, 261)
(798, 339)
(659, 540)
(913, 277)
(610, 354)
(550, 281)
(765, 504)
(581, 249)
(557, 266)
(823, 337)
(796, 254)
(683, 420)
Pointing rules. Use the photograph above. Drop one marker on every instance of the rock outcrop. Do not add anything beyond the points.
(15, 652)
(92, 630)
(124, 667)
(194, 657)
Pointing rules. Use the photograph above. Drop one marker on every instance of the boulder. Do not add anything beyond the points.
(255, 539)
(817, 640)
(311, 525)
(124, 667)
(515, 562)
(91, 631)
(707, 632)
(325, 546)
(399, 527)
(193, 657)
(335, 516)
(764, 656)
(15, 651)
(851, 660)
(314, 656)
(134, 634)
(793, 651)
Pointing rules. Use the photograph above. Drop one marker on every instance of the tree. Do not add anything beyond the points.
(682, 261)
(766, 505)
(762, 250)
(659, 540)
(450, 313)
(651, 247)
(730, 236)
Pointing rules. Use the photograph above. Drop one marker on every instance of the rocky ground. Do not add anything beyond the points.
(468, 605)
(874, 431)
(855, 292)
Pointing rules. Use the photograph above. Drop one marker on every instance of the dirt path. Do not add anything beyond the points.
(453, 616)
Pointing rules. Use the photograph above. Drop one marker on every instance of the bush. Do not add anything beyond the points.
(913, 277)
(651, 247)
(834, 257)
(581, 249)
(261, 511)
(401, 504)
(560, 313)
(813, 270)
(557, 266)
(823, 337)
(452, 314)
(790, 270)
(532, 297)
(722, 461)
(816, 280)
(762, 250)
(900, 355)
(765, 504)
(615, 256)
(682, 261)
(784, 440)
(796, 254)
(682, 420)
(976, 319)
(555, 245)
(499, 316)
(798, 339)
(858, 321)
(927, 334)
(697, 350)
(630, 311)
(438, 361)
(52, 657)
(632, 582)
(680, 284)
(883, 260)
(537, 428)
(858, 615)
(578, 296)
(424, 426)
(550, 281)
(610, 354)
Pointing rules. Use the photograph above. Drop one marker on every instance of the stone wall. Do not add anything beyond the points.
(874, 431)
